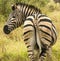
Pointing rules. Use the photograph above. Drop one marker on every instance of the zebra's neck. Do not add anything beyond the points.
(28, 9)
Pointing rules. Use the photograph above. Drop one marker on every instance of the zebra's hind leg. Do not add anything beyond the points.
(43, 54)
(49, 55)
(46, 55)
(30, 49)
(30, 44)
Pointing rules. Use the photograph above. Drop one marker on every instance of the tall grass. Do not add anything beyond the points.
(12, 47)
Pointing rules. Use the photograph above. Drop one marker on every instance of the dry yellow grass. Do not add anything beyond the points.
(12, 47)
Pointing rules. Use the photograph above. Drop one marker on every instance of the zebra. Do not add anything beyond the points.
(37, 29)
(41, 32)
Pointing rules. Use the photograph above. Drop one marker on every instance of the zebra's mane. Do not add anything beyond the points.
(30, 6)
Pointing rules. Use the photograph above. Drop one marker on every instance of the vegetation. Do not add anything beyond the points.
(12, 47)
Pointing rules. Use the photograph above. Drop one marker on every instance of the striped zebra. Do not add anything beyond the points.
(39, 31)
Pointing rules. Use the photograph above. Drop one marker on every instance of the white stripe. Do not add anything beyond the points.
(28, 22)
(43, 18)
(18, 7)
(29, 11)
(55, 30)
(30, 17)
(39, 15)
(12, 18)
(24, 8)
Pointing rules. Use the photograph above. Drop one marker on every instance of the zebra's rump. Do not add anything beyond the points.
(39, 33)
(47, 30)
(44, 26)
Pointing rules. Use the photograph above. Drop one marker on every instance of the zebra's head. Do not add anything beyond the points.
(19, 12)
(15, 19)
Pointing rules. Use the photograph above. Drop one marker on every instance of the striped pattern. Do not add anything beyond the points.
(18, 16)
(27, 9)
(39, 31)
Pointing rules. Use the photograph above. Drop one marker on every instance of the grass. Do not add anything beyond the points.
(12, 47)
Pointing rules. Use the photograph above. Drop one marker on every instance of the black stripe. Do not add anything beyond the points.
(35, 34)
(29, 51)
(30, 54)
(28, 25)
(46, 39)
(29, 19)
(54, 33)
(53, 26)
(14, 22)
(12, 25)
(26, 39)
(45, 32)
(48, 35)
(17, 24)
(28, 46)
(27, 32)
(27, 11)
(33, 16)
(10, 29)
(42, 16)
(44, 20)
(44, 55)
(45, 27)
(49, 29)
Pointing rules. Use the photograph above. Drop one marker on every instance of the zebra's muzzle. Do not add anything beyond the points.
(6, 29)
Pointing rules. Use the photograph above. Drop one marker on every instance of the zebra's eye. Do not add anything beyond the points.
(13, 16)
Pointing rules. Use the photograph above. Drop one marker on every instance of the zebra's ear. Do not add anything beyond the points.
(13, 7)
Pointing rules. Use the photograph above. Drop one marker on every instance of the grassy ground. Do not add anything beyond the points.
(12, 47)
